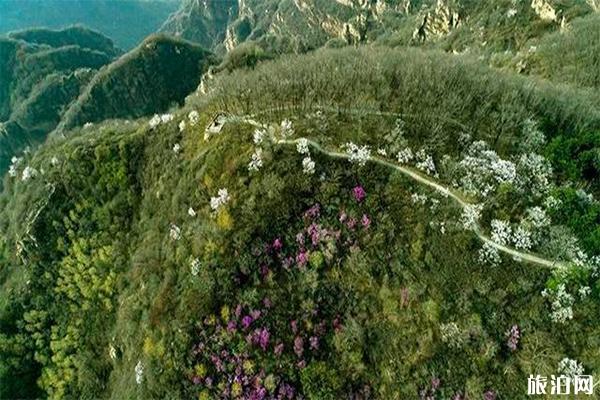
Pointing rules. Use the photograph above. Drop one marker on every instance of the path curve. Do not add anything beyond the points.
(425, 180)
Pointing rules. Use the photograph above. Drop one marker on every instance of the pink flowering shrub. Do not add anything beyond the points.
(278, 346)
(246, 353)
(512, 337)
(316, 310)
(359, 193)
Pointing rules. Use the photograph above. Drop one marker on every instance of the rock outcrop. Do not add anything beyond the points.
(544, 10)
(286, 25)
(438, 22)
(202, 21)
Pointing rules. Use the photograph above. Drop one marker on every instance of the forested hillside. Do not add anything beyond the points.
(160, 258)
(304, 199)
(127, 22)
(42, 72)
(68, 78)
(159, 73)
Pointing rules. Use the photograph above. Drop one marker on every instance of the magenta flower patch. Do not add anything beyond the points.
(359, 193)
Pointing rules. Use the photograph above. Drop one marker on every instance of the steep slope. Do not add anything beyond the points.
(25, 64)
(303, 25)
(161, 260)
(127, 22)
(149, 79)
(8, 60)
(71, 36)
(571, 57)
(202, 21)
(39, 78)
(44, 107)
(40, 113)
(37, 65)
(287, 26)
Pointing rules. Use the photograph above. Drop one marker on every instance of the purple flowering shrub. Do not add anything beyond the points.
(512, 337)
(275, 341)
(323, 302)
(244, 353)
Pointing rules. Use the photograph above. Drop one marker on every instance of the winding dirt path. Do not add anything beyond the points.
(427, 181)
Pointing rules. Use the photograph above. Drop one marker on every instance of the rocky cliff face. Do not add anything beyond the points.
(303, 25)
(202, 21)
(438, 22)
(288, 25)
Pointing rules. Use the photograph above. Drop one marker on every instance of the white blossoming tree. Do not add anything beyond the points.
(425, 163)
(470, 216)
(154, 121)
(481, 170)
(259, 136)
(561, 303)
(357, 154)
(405, 156)
(166, 118)
(308, 166)
(302, 146)
(139, 372)
(220, 200)
(29, 173)
(194, 117)
(287, 128)
(14, 164)
(174, 232)
(522, 239)
(489, 255)
(256, 162)
(534, 174)
(195, 266)
(501, 232)
(569, 367)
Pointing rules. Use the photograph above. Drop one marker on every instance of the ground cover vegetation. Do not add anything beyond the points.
(214, 251)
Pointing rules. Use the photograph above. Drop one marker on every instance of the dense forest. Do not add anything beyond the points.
(127, 22)
(381, 216)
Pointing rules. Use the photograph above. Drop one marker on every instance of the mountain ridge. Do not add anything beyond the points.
(402, 202)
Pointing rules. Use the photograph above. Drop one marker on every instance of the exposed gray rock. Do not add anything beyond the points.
(202, 21)
(544, 10)
(438, 22)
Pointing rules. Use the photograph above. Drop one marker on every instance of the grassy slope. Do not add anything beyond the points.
(120, 187)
